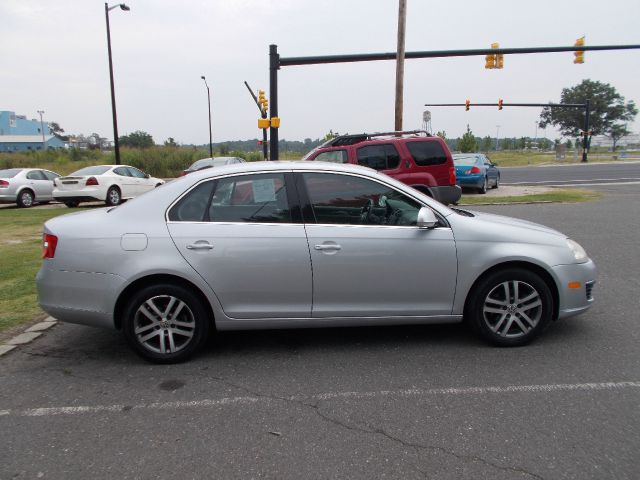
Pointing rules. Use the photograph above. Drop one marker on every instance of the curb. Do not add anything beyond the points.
(29, 335)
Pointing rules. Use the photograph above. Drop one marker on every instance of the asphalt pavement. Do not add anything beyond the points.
(396, 402)
(573, 174)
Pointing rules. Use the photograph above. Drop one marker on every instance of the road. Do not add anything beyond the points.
(572, 175)
(398, 402)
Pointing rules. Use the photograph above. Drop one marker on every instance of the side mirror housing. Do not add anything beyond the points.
(426, 218)
(146, 175)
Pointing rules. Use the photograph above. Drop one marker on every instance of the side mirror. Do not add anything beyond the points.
(426, 218)
(146, 175)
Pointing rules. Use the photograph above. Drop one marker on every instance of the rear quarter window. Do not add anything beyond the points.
(427, 153)
(333, 156)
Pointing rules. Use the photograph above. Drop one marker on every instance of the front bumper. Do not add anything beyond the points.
(573, 301)
(78, 297)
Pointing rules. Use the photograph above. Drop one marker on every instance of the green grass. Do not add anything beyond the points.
(565, 195)
(20, 251)
(513, 158)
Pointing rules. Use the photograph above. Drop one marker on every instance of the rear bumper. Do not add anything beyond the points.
(7, 198)
(448, 194)
(470, 180)
(76, 198)
(86, 194)
(78, 297)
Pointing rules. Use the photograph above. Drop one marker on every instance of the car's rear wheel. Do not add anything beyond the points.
(166, 323)
(25, 199)
(72, 204)
(497, 184)
(113, 197)
(484, 187)
(510, 307)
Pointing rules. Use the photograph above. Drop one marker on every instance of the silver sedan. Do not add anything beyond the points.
(26, 186)
(281, 245)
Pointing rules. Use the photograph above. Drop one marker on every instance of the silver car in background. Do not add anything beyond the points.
(296, 244)
(26, 186)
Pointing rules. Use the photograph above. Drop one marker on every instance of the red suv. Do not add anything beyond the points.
(415, 158)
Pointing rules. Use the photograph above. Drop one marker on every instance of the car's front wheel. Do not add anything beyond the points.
(113, 197)
(510, 307)
(166, 323)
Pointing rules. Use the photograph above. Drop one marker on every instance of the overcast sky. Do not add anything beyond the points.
(54, 58)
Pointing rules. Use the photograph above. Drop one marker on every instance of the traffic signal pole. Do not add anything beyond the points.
(275, 62)
(263, 114)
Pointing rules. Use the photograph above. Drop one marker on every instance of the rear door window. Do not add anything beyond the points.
(379, 157)
(427, 153)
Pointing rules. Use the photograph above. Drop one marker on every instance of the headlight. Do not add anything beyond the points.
(578, 251)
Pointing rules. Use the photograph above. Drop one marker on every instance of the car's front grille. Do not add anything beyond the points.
(589, 289)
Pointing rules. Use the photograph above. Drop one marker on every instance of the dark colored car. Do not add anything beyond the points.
(475, 170)
(209, 163)
(415, 158)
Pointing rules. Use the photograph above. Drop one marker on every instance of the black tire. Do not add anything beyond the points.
(485, 184)
(114, 197)
(505, 323)
(497, 184)
(72, 204)
(25, 198)
(179, 342)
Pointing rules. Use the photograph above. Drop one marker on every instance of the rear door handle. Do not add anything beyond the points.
(328, 247)
(200, 246)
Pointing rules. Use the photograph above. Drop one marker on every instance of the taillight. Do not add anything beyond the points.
(91, 181)
(4, 183)
(183, 173)
(49, 244)
(474, 169)
(452, 176)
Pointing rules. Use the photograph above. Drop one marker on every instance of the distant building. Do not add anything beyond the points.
(626, 141)
(17, 134)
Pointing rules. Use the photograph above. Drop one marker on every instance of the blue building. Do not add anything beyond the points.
(17, 134)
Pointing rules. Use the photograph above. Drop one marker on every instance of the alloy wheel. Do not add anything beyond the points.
(164, 324)
(512, 309)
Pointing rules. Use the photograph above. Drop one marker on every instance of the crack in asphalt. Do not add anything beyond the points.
(377, 431)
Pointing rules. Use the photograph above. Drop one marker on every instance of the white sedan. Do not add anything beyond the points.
(108, 183)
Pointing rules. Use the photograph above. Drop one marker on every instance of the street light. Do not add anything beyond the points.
(209, 103)
(42, 128)
(116, 144)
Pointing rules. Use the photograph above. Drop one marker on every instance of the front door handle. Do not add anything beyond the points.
(328, 247)
(200, 246)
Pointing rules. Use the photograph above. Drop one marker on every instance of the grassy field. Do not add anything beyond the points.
(564, 195)
(20, 251)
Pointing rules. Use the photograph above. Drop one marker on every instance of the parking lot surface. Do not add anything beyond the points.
(397, 402)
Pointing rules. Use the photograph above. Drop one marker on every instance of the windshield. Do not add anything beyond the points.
(9, 173)
(97, 170)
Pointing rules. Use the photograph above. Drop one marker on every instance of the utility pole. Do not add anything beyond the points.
(402, 20)
(42, 127)
(497, 134)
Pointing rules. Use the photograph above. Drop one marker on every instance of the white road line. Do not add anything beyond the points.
(412, 392)
(575, 181)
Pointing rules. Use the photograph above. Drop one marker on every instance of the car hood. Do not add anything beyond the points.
(490, 218)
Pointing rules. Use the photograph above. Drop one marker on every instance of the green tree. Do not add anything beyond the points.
(568, 144)
(522, 143)
(617, 132)
(137, 139)
(468, 142)
(331, 135)
(487, 142)
(224, 149)
(170, 142)
(442, 134)
(505, 144)
(57, 130)
(607, 110)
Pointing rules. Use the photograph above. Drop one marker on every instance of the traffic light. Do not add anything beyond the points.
(500, 104)
(466, 104)
(494, 61)
(262, 101)
(579, 54)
